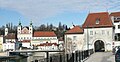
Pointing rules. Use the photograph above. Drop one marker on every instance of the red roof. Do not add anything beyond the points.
(103, 17)
(26, 41)
(47, 44)
(44, 34)
(115, 14)
(10, 36)
(74, 30)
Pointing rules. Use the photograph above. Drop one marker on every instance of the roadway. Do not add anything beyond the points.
(101, 57)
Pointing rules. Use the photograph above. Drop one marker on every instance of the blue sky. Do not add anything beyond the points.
(52, 11)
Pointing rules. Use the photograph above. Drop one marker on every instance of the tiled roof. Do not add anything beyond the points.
(103, 17)
(25, 41)
(47, 44)
(115, 14)
(44, 34)
(75, 30)
(10, 36)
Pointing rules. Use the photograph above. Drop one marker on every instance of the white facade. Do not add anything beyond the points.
(25, 33)
(49, 48)
(116, 22)
(8, 46)
(44, 40)
(39, 40)
(6, 31)
(10, 40)
(74, 42)
(94, 34)
(26, 44)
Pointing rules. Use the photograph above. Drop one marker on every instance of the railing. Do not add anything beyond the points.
(78, 56)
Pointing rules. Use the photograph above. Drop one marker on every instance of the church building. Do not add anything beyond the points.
(24, 34)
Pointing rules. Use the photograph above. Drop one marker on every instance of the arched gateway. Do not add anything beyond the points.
(99, 46)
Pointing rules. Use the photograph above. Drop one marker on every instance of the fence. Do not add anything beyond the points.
(78, 56)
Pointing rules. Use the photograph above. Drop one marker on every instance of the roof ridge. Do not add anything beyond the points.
(98, 12)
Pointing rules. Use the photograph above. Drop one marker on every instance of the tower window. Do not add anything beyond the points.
(97, 21)
(118, 26)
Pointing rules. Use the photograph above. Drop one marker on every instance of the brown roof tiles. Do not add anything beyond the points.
(47, 44)
(10, 36)
(75, 30)
(115, 14)
(44, 34)
(103, 17)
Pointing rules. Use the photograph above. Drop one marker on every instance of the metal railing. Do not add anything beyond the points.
(78, 56)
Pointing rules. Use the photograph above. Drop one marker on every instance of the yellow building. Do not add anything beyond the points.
(1, 43)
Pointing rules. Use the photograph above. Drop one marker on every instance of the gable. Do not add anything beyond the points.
(103, 17)
(25, 30)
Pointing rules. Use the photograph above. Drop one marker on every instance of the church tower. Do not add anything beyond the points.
(19, 28)
(6, 31)
(31, 28)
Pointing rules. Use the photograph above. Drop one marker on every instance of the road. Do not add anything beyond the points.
(101, 57)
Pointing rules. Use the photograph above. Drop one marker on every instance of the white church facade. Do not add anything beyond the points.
(24, 34)
(41, 40)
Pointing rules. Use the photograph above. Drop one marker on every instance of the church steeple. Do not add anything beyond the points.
(31, 28)
(31, 23)
(19, 22)
(6, 31)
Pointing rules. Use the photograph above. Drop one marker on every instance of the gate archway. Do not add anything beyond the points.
(99, 46)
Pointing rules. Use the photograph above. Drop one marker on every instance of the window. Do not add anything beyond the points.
(97, 21)
(107, 32)
(118, 18)
(103, 32)
(74, 37)
(24, 37)
(118, 26)
(91, 32)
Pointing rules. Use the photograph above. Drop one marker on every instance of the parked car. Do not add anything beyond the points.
(117, 56)
(115, 49)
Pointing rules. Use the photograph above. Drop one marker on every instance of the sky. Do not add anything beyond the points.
(52, 11)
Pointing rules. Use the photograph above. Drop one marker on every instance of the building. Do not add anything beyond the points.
(98, 31)
(115, 17)
(24, 34)
(1, 42)
(45, 40)
(9, 41)
(61, 43)
(74, 39)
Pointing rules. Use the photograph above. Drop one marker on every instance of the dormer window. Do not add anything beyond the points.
(97, 21)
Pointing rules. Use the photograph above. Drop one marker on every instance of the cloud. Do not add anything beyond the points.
(41, 9)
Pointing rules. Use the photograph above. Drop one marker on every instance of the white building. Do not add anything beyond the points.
(74, 39)
(24, 34)
(9, 41)
(45, 40)
(115, 17)
(98, 31)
